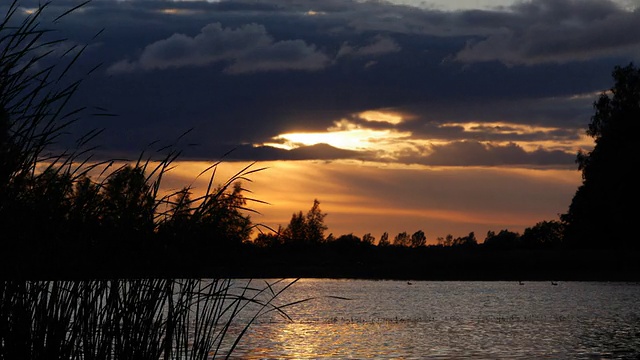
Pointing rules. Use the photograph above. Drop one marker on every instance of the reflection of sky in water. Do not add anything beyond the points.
(392, 319)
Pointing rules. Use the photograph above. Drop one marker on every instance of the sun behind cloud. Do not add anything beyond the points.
(385, 136)
(348, 135)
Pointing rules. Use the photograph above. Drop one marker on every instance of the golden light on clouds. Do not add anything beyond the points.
(347, 135)
(381, 116)
(583, 142)
(540, 136)
(353, 139)
(176, 11)
(385, 143)
(502, 128)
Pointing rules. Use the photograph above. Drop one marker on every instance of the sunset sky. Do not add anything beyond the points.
(443, 116)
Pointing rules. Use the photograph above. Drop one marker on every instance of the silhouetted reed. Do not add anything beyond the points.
(129, 319)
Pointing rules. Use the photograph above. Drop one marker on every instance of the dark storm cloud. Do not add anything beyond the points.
(243, 72)
(563, 118)
(554, 31)
(379, 45)
(248, 49)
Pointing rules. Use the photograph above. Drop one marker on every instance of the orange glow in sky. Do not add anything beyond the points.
(348, 135)
(366, 198)
(390, 143)
(354, 139)
(177, 11)
(381, 116)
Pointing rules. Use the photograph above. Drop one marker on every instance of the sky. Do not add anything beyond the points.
(448, 117)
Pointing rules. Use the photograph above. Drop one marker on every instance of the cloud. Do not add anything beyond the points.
(453, 154)
(568, 113)
(352, 57)
(379, 45)
(558, 31)
(474, 153)
(246, 49)
(312, 152)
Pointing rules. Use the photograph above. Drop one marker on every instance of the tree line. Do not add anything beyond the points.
(309, 228)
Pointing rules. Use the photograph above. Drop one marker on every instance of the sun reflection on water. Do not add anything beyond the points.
(326, 340)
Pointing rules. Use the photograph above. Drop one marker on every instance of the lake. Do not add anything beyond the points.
(448, 320)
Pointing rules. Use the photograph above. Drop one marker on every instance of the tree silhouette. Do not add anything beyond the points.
(418, 239)
(402, 239)
(466, 241)
(306, 229)
(368, 239)
(85, 212)
(347, 240)
(505, 239)
(177, 223)
(295, 232)
(602, 210)
(445, 241)
(315, 226)
(128, 202)
(269, 240)
(545, 234)
(384, 239)
(219, 219)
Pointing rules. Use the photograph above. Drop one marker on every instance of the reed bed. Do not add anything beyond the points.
(131, 319)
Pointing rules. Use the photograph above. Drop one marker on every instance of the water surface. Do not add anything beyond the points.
(449, 320)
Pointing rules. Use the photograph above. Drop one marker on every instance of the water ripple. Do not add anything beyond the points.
(451, 320)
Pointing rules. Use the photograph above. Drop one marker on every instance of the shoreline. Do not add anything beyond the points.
(431, 264)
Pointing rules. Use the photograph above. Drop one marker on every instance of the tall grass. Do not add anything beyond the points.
(76, 248)
(129, 319)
